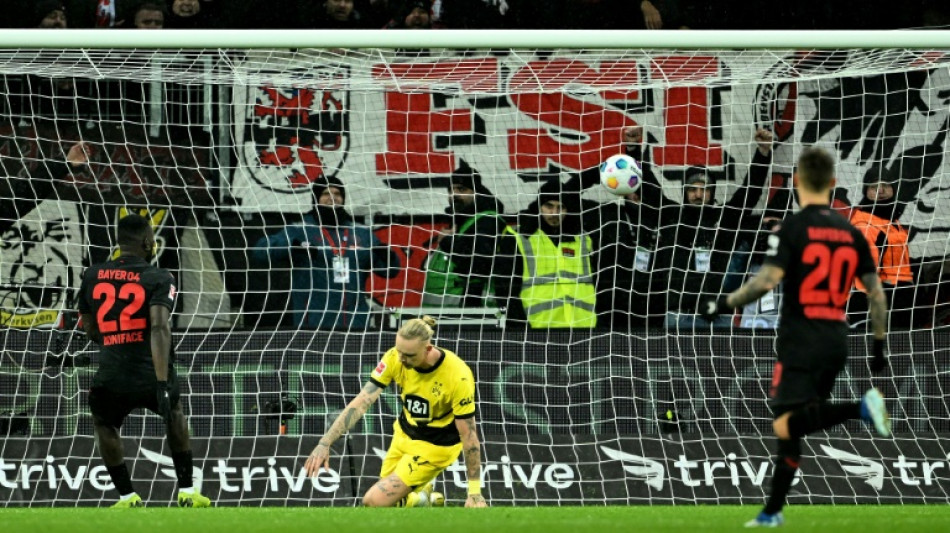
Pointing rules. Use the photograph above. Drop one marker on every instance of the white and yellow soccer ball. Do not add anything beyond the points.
(621, 174)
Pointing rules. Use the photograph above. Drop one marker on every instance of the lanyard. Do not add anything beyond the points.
(337, 250)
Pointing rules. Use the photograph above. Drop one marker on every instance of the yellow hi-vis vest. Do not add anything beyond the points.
(557, 289)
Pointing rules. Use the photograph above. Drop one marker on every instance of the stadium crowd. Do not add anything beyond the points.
(474, 14)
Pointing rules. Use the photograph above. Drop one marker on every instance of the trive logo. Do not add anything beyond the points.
(693, 473)
(873, 471)
(27, 475)
(272, 478)
(553, 475)
(197, 477)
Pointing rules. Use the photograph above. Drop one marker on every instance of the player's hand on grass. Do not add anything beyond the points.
(318, 460)
(878, 360)
(475, 500)
(164, 402)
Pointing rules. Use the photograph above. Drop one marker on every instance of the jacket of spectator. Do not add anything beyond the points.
(695, 237)
(888, 240)
(459, 271)
(877, 217)
(330, 256)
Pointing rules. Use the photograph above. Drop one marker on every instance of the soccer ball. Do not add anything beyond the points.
(621, 174)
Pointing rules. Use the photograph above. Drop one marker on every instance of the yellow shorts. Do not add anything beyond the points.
(417, 462)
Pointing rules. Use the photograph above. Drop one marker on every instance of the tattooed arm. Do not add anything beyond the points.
(877, 303)
(320, 456)
(767, 278)
(471, 450)
(878, 310)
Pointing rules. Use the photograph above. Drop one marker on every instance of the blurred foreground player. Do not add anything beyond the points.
(436, 423)
(125, 305)
(818, 253)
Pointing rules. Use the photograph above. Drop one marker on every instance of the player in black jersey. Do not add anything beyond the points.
(125, 305)
(818, 254)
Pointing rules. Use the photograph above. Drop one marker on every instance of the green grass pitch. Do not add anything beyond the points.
(834, 519)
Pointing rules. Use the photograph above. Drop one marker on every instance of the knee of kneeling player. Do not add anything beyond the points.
(370, 501)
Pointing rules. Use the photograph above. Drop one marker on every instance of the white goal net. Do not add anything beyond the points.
(284, 309)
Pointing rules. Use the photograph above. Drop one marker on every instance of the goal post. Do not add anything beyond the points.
(219, 137)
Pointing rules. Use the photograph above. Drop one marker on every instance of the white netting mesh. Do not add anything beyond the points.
(220, 148)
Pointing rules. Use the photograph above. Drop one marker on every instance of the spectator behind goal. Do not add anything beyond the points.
(330, 257)
(458, 273)
(553, 264)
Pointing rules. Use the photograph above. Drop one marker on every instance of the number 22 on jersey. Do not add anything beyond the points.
(130, 295)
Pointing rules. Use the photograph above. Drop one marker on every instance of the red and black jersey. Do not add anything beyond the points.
(119, 294)
(821, 254)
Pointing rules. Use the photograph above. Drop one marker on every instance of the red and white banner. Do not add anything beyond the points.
(394, 147)
(501, 115)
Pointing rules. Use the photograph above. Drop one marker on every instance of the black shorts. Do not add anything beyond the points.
(797, 385)
(111, 406)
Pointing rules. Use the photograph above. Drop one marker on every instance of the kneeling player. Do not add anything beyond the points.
(437, 421)
(125, 306)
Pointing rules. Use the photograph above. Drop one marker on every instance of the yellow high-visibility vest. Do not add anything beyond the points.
(557, 288)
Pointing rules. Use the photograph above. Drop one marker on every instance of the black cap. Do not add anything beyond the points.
(323, 184)
(697, 175)
(466, 176)
(559, 192)
(44, 7)
(408, 6)
(878, 174)
(550, 191)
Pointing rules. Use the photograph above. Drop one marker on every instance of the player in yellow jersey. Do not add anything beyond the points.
(436, 424)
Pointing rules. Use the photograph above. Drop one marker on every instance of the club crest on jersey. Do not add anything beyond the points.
(380, 368)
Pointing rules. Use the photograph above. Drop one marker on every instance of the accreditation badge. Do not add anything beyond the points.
(641, 261)
(341, 269)
(767, 302)
(702, 259)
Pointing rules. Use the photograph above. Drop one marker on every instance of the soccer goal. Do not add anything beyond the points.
(220, 137)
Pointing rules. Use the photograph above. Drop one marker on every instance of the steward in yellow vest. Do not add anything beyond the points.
(557, 284)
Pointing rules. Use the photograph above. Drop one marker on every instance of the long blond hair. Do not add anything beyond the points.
(418, 328)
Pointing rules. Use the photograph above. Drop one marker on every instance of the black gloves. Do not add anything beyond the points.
(710, 308)
(878, 361)
(164, 401)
